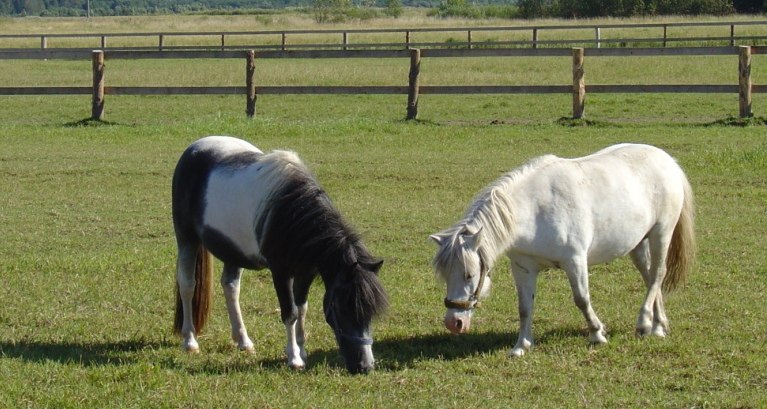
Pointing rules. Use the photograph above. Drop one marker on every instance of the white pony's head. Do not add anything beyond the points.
(459, 262)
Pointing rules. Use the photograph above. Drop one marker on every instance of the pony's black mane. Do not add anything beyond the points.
(302, 233)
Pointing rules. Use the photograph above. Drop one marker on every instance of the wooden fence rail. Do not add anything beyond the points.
(227, 40)
(579, 88)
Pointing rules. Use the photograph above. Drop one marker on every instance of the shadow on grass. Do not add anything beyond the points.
(391, 354)
(403, 353)
(89, 122)
(740, 122)
(84, 354)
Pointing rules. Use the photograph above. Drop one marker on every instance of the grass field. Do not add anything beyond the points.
(88, 254)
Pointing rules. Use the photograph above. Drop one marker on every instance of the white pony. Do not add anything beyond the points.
(570, 214)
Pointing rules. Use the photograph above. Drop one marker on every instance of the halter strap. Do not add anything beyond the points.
(473, 301)
(330, 316)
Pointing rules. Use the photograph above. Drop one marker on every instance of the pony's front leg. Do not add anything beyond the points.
(230, 282)
(300, 293)
(301, 331)
(289, 312)
(525, 278)
(578, 275)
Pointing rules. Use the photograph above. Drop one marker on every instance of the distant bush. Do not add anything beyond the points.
(460, 8)
(500, 11)
(393, 8)
(621, 8)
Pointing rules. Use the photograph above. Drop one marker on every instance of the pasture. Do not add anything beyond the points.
(88, 254)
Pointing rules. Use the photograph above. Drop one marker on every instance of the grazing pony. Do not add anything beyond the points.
(570, 214)
(254, 210)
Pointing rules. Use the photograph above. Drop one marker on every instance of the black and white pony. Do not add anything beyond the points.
(254, 210)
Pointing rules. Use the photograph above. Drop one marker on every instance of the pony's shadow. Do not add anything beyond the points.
(397, 354)
(84, 354)
(392, 354)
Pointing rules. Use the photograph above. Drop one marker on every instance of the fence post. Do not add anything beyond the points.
(97, 106)
(744, 81)
(223, 45)
(346, 40)
(579, 85)
(412, 92)
(407, 39)
(250, 84)
(103, 42)
(468, 37)
(162, 41)
(732, 35)
(43, 42)
(598, 33)
(535, 38)
(284, 40)
(665, 35)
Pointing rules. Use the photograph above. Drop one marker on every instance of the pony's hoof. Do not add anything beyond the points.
(642, 332)
(248, 349)
(659, 331)
(192, 349)
(517, 352)
(598, 338)
(297, 366)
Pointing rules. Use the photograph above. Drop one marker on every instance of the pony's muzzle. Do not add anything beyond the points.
(457, 323)
(362, 364)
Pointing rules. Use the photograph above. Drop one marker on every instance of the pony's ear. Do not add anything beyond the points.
(373, 266)
(471, 237)
(440, 240)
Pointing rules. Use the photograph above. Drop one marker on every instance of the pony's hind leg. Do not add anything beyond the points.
(230, 282)
(652, 310)
(185, 269)
(578, 275)
(640, 256)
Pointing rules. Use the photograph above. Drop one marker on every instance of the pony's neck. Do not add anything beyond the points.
(493, 213)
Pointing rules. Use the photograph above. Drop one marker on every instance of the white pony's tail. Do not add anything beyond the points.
(681, 251)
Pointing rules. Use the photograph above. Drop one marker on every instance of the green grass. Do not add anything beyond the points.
(87, 252)
(87, 259)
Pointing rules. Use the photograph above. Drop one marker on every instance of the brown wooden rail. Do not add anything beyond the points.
(251, 90)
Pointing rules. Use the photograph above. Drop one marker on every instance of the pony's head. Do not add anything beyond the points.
(460, 263)
(351, 302)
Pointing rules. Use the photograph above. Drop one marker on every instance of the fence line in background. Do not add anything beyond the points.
(408, 36)
(578, 88)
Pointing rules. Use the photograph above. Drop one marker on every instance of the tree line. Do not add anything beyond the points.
(340, 10)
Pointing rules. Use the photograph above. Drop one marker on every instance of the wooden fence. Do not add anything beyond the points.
(251, 90)
(282, 39)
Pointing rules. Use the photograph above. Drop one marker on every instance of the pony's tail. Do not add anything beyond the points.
(203, 271)
(681, 251)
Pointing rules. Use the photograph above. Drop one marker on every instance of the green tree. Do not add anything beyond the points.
(326, 11)
(393, 8)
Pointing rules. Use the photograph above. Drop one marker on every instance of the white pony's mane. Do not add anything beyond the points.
(283, 159)
(278, 165)
(492, 212)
